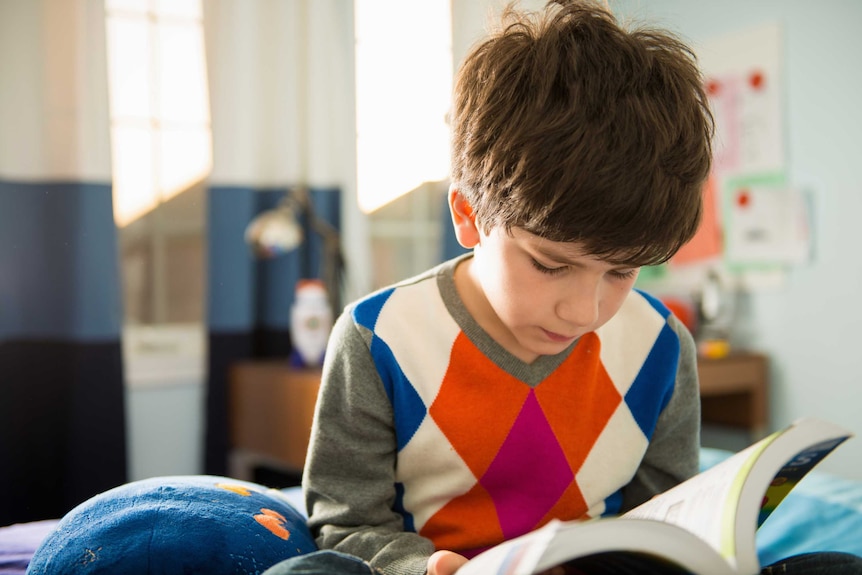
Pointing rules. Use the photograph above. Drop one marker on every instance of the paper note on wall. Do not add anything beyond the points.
(744, 85)
(748, 124)
(765, 223)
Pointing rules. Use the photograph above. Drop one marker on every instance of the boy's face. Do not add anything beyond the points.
(535, 296)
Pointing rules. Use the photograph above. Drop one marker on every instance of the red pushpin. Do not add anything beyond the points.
(756, 80)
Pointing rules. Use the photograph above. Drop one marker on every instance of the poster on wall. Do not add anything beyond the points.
(754, 224)
(766, 223)
(706, 244)
(744, 85)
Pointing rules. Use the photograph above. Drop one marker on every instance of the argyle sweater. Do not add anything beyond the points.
(429, 435)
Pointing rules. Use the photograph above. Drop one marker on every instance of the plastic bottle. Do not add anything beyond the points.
(310, 322)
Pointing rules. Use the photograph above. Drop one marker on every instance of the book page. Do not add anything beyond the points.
(790, 457)
(517, 556)
(724, 505)
(698, 504)
(600, 544)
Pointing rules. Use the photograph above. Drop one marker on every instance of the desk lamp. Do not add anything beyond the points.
(279, 231)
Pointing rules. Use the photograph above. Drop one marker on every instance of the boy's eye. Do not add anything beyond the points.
(547, 270)
(624, 274)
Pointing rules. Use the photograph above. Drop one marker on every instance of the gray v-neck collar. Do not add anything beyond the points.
(530, 373)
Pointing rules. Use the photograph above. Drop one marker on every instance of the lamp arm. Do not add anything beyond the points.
(333, 264)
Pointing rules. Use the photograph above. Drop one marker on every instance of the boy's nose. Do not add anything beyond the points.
(580, 306)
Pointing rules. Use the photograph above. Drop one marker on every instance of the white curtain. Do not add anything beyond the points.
(281, 93)
(281, 87)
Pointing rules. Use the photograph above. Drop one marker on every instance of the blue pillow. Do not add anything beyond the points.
(175, 525)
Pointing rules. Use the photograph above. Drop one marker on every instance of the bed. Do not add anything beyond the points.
(824, 512)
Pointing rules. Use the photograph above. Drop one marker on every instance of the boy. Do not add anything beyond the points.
(527, 380)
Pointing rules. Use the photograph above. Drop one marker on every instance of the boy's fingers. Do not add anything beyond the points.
(445, 563)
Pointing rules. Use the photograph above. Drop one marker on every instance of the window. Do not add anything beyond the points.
(403, 90)
(161, 153)
(403, 94)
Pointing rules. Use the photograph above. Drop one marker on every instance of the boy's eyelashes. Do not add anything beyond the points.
(623, 274)
(546, 269)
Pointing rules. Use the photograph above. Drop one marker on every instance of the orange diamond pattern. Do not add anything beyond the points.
(490, 418)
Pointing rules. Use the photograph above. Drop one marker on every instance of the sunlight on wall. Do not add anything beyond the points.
(403, 92)
(160, 119)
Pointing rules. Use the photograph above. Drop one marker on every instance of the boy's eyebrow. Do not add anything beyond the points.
(558, 256)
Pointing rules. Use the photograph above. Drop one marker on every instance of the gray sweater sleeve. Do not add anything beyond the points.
(674, 450)
(349, 478)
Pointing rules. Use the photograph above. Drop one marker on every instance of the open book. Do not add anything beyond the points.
(706, 525)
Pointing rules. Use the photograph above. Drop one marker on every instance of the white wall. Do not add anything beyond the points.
(810, 326)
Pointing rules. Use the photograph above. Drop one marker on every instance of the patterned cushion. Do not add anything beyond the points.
(176, 525)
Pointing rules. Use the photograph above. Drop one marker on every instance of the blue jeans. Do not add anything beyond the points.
(335, 563)
(823, 563)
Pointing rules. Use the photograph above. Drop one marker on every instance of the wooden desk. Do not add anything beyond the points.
(734, 392)
(271, 410)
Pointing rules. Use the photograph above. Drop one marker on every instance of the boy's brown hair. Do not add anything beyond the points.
(574, 129)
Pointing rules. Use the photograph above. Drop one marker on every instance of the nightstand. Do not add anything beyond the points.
(734, 392)
(271, 410)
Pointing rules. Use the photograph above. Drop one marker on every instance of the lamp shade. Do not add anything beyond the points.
(274, 232)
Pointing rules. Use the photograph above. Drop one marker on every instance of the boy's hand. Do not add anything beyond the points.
(445, 563)
(448, 562)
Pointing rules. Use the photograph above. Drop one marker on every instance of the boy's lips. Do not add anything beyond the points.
(558, 337)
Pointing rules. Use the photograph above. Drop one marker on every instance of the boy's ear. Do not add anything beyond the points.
(463, 219)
